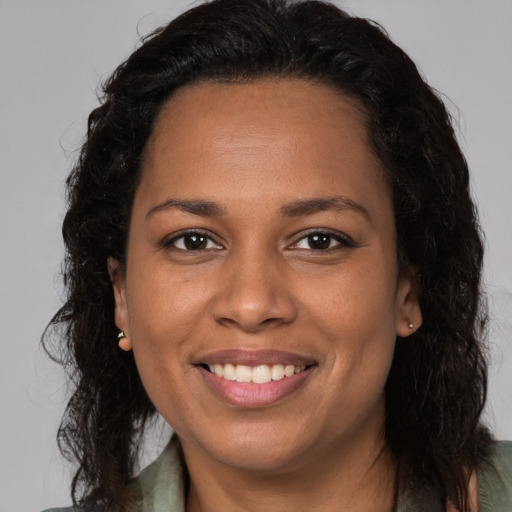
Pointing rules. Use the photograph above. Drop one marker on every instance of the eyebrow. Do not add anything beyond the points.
(322, 204)
(299, 208)
(194, 206)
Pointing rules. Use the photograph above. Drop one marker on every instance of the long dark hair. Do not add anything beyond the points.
(437, 386)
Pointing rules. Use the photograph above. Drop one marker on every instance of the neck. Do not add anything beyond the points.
(339, 478)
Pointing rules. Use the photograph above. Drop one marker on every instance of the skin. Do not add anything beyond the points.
(253, 149)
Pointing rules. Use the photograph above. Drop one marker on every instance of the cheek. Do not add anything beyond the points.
(164, 314)
(161, 301)
(355, 312)
(359, 301)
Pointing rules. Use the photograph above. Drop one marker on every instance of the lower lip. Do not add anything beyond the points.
(250, 395)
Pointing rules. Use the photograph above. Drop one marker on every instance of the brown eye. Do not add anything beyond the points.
(193, 241)
(323, 241)
(319, 241)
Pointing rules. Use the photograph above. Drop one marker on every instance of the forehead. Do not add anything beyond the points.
(284, 107)
(287, 136)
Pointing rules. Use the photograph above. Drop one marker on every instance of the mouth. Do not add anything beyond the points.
(260, 374)
(255, 378)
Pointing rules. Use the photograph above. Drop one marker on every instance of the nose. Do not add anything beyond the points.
(253, 295)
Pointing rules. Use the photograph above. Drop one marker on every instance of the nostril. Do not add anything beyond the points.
(252, 300)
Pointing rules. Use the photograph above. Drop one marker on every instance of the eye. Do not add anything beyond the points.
(193, 241)
(322, 241)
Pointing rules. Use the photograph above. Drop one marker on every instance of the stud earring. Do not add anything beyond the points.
(411, 325)
(124, 343)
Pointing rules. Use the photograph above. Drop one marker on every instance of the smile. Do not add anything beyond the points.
(257, 375)
(251, 379)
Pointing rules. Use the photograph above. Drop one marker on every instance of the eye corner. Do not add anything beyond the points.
(321, 240)
(191, 241)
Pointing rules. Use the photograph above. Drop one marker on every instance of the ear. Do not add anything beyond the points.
(409, 317)
(117, 277)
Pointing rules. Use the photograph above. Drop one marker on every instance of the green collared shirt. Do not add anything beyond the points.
(162, 487)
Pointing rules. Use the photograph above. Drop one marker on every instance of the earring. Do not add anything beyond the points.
(124, 343)
(411, 325)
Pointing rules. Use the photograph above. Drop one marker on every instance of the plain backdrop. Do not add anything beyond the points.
(53, 53)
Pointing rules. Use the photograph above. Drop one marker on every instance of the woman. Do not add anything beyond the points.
(271, 242)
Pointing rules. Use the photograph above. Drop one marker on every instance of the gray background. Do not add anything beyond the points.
(52, 55)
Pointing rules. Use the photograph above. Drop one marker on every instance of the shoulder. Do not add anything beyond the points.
(501, 454)
(66, 509)
(158, 487)
(162, 483)
(495, 479)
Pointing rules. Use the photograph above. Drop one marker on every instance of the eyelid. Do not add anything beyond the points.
(170, 240)
(343, 239)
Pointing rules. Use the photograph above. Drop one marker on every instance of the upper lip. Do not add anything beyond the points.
(255, 357)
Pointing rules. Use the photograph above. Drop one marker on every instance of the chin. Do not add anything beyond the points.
(256, 449)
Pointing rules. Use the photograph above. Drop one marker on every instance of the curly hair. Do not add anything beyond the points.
(437, 385)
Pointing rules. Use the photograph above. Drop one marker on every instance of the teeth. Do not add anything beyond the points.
(261, 374)
(258, 374)
(218, 370)
(277, 371)
(243, 373)
(228, 373)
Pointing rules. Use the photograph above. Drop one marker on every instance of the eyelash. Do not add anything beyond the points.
(172, 241)
(343, 241)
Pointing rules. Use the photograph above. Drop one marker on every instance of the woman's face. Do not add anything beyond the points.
(262, 249)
